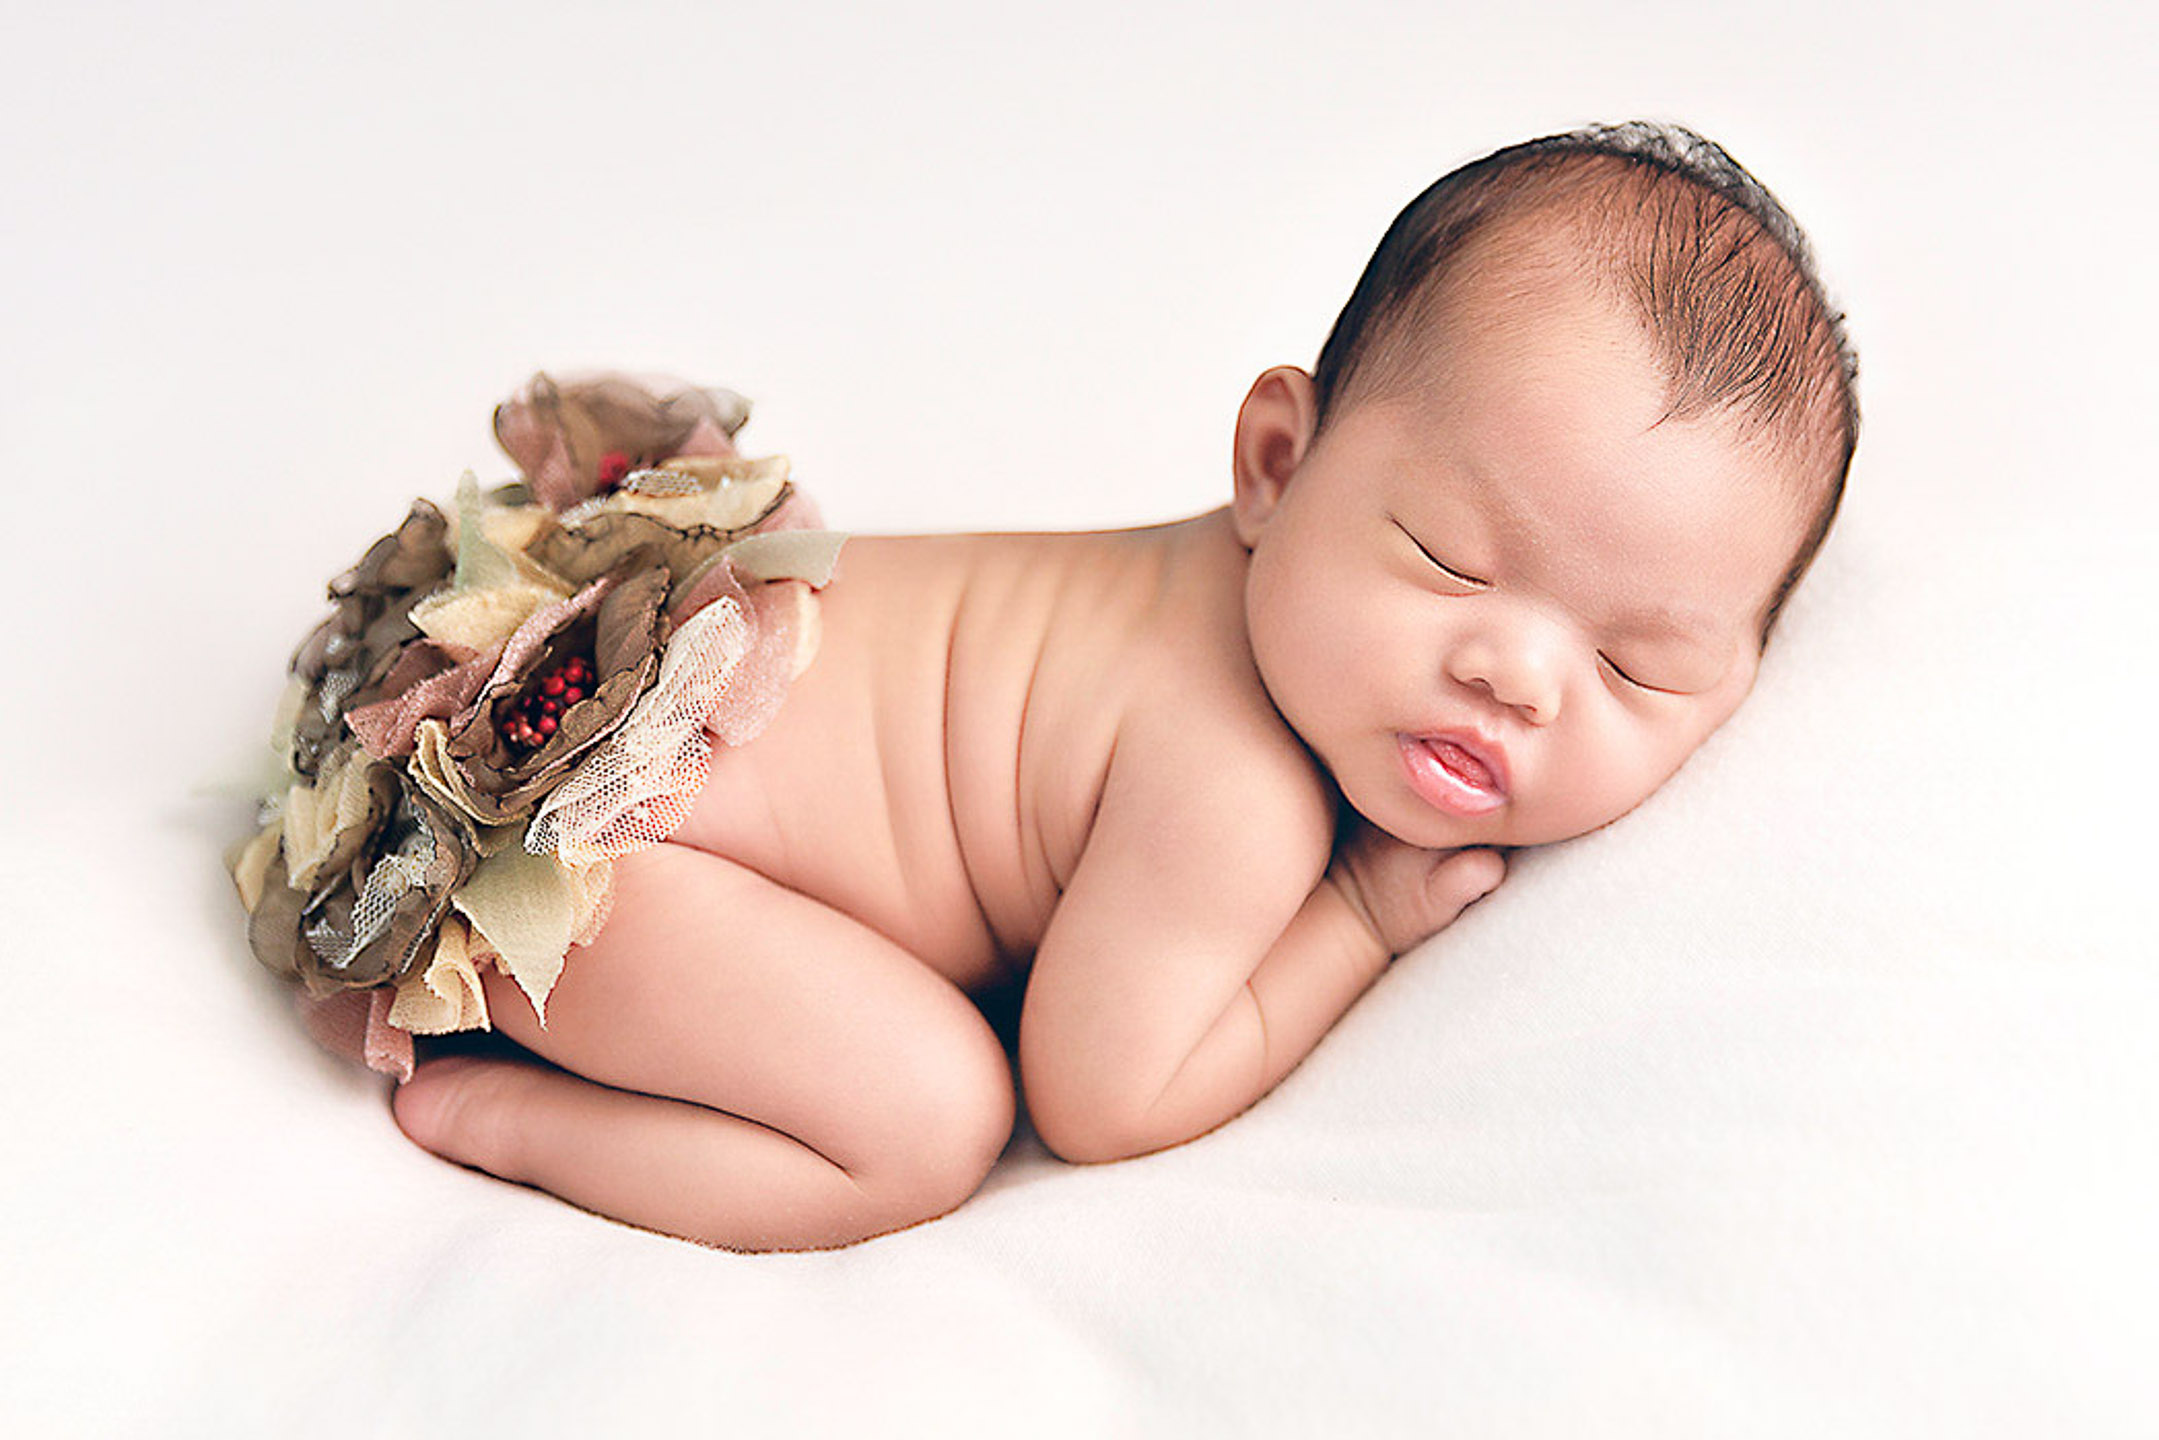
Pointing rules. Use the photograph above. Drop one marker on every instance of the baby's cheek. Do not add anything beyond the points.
(1601, 777)
(1651, 763)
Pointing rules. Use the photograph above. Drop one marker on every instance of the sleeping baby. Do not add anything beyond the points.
(1488, 575)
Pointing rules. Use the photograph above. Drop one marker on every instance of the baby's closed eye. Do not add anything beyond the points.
(1615, 667)
(1458, 576)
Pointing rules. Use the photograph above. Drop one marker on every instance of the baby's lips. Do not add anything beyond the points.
(1485, 753)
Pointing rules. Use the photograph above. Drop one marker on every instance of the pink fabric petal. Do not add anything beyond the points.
(706, 439)
(754, 691)
(388, 1050)
(531, 637)
(719, 581)
(386, 727)
(338, 1023)
(355, 1025)
(797, 512)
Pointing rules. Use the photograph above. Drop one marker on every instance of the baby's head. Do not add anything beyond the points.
(1518, 543)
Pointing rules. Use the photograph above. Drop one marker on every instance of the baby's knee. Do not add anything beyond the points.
(950, 1119)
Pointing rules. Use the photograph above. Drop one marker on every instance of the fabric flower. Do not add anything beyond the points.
(359, 879)
(580, 436)
(370, 624)
(505, 700)
(492, 761)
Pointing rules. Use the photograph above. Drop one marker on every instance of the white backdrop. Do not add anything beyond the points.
(1814, 1098)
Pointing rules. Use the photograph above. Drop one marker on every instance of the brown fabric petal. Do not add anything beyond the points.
(411, 560)
(273, 926)
(599, 544)
(414, 556)
(370, 622)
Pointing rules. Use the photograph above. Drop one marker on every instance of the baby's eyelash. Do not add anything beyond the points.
(1442, 566)
(1637, 684)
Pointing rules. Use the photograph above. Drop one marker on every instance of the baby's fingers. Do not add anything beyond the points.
(1460, 881)
(1407, 895)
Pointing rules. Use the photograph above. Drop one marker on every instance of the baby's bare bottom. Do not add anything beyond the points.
(739, 1065)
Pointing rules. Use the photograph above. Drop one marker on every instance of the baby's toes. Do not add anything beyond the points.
(465, 1108)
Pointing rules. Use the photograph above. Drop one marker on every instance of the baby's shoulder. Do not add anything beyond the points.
(1199, 736)
(1215, 747)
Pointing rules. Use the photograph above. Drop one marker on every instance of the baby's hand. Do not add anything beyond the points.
(1405, 895)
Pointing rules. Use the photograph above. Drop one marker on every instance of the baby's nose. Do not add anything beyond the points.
(1523, 677)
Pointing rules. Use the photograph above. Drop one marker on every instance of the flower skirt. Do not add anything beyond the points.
(508, 696)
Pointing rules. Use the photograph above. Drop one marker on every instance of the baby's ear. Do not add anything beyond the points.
(1274, 428)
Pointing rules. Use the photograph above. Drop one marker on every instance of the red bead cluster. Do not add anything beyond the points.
(614, 469)
(529, 725)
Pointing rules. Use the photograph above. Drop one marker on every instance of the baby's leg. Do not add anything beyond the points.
(740, 1065)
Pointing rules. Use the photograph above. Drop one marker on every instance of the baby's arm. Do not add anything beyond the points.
(1205, 944)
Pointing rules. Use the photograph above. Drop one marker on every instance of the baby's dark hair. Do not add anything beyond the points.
(1716, 270)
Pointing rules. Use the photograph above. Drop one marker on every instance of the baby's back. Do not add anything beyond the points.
(936, 771)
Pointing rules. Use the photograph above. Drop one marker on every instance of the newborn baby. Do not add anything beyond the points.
(1487, 578)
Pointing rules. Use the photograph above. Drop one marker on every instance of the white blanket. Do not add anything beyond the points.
(1815, 1098)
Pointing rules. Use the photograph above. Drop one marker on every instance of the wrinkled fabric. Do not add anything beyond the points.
(617, 622)
(509, 696)
(560, 433)
(370, 623)
(371, 900)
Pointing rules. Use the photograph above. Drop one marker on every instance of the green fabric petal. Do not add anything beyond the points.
(787, 555)
(481, 563)
(522, 905)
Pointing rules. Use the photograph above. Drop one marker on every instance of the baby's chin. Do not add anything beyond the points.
(1414, 824)
(1510, 827)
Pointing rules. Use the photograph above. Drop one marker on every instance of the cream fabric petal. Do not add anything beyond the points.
(514, 527)
(524, 907)
(489, 542)
(436, 773)
(252, 865)
(285, 721)
(446, 995)
(482, 618)
(736, 503)
(481, 563)
(315, 815)
(807, 555)
(715, 470)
